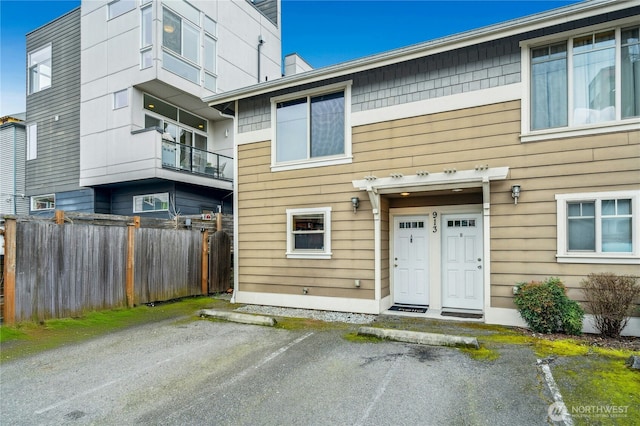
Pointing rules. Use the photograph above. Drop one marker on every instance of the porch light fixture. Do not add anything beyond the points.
(404, 194)
(355, 202)
(515, 193)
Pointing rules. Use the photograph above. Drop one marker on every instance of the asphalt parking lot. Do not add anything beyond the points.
(221, 373)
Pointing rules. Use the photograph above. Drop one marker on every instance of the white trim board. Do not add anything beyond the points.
(308, 301)
(510, 92)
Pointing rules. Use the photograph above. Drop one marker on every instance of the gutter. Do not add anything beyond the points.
(472, 37)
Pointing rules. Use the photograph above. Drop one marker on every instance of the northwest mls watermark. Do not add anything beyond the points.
(559, 411)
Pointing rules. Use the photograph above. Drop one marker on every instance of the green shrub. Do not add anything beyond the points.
(610, 298)
(547, 309)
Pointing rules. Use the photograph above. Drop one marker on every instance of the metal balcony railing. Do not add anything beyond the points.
(194, 160)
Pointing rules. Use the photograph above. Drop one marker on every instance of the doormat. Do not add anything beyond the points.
(409, 308)
(470, 315)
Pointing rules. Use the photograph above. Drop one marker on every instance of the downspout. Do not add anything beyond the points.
(235, 194)
(260, 43)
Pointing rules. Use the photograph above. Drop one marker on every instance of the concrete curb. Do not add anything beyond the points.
(419, 337)
(238, 317)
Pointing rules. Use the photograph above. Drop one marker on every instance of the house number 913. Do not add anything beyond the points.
(435, 222)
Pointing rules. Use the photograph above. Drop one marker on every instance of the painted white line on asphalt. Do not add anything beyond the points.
(177, 412)
(112, 382)
(380, 391)
(557, 411)
(265, 360)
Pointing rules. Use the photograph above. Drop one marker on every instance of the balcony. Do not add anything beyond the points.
(124, 156)
(188, 159)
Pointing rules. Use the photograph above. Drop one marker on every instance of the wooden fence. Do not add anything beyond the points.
(68, 266)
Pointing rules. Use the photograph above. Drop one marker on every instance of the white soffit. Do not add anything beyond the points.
(424, 181)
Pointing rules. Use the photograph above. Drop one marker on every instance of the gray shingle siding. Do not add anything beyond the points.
(477, 67)
(465, 70)
(57, 166)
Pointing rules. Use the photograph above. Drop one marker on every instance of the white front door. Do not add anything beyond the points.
(410, 266)
(462, 276)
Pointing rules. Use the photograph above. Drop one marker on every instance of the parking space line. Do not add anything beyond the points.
(380, 391)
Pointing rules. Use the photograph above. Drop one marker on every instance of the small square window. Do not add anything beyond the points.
(309, 233)
(120, 99)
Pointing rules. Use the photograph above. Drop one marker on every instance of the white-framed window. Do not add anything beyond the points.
(210, 52)
(120, 99)
(309, 233)
(582, 82)
(119, 7)
(146, 36)
(181, 42)
(32, 141)
(40, 69)
(43, 202)
(151, 203)
(598, 227)
(312, 128)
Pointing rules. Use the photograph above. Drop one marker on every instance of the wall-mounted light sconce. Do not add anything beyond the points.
(515, 193)
(355, 202)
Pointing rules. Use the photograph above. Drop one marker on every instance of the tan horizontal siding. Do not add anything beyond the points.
(523, 236)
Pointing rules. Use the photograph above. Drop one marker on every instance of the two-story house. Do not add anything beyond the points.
(115, 121)
(436, 177)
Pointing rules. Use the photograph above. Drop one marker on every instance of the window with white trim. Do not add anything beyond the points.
(309, 233)
(590, 79)
(39, 69)
(151, 203)
(43, 202)
(32, 141)
(181, 42)
(312, 128)
(598, 227)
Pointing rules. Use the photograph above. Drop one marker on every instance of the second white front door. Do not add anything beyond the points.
(411, 272)
(462, 275)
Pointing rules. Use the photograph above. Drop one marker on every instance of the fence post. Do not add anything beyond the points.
(131, 227)
(9, 314)
(218, 221)
(204, 284)
(59, 217)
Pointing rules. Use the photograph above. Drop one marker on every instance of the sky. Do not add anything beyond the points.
(323, 32)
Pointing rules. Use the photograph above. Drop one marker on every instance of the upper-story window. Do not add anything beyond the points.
(119, 7)
(32, 141)
(181, 43)
(312, 129)
(587, 80)
(146, 36)
(210, 42)
(40, 69)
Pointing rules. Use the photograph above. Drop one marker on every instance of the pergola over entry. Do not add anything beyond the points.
(424, 181)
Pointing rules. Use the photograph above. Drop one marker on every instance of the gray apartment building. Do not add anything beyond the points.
(115, 123)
